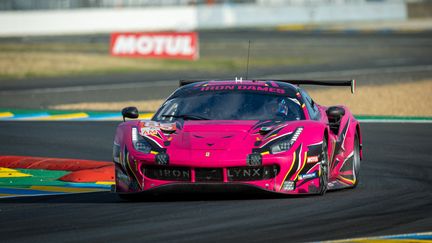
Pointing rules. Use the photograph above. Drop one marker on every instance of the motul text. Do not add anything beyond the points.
(156, 45)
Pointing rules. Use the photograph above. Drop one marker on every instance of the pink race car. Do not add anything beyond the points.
(266, 134)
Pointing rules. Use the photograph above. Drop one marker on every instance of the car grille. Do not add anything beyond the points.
(208, 175)
(244, 173)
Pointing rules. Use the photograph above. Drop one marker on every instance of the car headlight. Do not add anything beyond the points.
(139, 142)
(286, 143)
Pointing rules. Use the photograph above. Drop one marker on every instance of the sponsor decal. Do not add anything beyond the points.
(177, 45)
(312, 159)
(151, 128)
(245, 172)
(242, 87)
(308, 176)
(252, 173)
(175, 174)
(149, 131)
(150, 124)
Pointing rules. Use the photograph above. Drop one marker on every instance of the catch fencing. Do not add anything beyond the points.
(107, 16)
(28, 5)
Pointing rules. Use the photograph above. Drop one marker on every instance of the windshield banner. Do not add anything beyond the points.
(171, 45)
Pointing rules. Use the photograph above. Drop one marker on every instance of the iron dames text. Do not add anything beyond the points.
(242, 87)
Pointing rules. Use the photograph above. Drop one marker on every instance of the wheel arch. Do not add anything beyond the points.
(358, 132)
(326, 135)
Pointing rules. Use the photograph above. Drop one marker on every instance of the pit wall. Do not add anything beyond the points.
(419, 10)
(248, 15)
(92, 21)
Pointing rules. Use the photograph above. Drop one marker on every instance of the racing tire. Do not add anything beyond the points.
(356, 160)
(324, 168)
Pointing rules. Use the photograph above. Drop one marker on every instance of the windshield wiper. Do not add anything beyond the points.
(188, 117)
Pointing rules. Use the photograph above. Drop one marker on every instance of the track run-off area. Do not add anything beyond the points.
(393, 197)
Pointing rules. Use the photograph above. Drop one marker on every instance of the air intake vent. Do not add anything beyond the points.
(208, 175)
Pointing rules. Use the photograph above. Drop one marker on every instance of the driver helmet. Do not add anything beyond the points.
(282, 107)
(279, 107)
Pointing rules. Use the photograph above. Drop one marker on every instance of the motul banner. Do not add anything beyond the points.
(177, 45)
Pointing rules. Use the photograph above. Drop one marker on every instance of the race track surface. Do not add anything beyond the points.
(394, 196)
(370, 58)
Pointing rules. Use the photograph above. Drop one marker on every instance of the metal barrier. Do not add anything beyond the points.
(22, 5)
(8, 5)
(187, 17)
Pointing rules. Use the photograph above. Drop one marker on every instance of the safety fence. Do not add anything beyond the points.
(22, 5)
(107, 16)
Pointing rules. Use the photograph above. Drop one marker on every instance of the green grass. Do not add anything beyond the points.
(26, 60)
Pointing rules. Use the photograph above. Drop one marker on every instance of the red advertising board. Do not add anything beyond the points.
(177, 45)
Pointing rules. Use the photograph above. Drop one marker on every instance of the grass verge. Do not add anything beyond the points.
(56, 59)
(401, 99)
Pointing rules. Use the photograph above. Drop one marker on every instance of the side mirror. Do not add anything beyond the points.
(335, 112)
(334, 115)
(130, 112)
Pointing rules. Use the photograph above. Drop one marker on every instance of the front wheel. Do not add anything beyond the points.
(324, 168)
(356, 160)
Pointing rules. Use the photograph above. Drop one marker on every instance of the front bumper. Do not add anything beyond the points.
(231, 189)
(264, 178)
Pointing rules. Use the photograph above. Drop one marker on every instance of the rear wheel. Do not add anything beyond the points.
(324, 168)
(356, 160)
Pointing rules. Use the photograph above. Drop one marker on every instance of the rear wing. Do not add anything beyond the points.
(186, 82)
(350, 83)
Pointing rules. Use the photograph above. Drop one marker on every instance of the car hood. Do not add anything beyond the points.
(213, 135)
(212, 143)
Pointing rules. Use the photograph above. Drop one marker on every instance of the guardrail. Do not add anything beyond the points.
(185, 18)
(23, 5)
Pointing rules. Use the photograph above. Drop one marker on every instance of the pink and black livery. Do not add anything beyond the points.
(266, 134)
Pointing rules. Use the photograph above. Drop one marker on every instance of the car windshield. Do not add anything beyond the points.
(230, 106)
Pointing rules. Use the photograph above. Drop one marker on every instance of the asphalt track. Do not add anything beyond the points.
(370, 58)
(394, 196)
